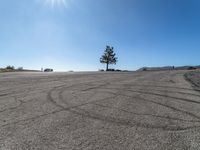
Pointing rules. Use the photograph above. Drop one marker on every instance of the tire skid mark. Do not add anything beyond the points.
(153, 86)
(156, 94)
(175, 92)
(129, 123)
(161, 104)
(185, 93)
(5, 94)
(76, 110)
(79, 105)
(118, 121)
(156, 116)
(166, 96)
(164, 105)
(33, 118)
(160, 86)
(66, 103)
(50, 97)
(13, 108)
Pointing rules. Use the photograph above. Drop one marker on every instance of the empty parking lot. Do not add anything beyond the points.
(99, 111)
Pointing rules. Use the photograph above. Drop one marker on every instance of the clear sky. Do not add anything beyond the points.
(72, 34)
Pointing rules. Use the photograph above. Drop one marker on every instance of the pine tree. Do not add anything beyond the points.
(109, 57)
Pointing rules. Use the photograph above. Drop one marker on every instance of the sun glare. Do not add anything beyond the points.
(54, 3)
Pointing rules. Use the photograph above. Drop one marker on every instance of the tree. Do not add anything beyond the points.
(10, 67)
(109, 57)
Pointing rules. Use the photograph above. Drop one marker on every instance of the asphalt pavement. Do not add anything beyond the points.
(156, 110)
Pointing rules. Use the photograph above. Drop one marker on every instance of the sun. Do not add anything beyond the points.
(54, 3)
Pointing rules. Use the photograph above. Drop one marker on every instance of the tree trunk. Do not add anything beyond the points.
(107, 67)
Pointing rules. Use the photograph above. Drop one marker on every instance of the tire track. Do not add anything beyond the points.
(152, 86)
(156, 94)
(139, 114)
(131, 123)
(164, 105)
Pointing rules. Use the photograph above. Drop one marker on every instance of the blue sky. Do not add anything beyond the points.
(72, 36)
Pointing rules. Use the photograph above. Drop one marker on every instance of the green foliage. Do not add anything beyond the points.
(109, 57)
(10, 67)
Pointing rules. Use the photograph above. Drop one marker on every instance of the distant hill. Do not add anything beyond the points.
(169, 68)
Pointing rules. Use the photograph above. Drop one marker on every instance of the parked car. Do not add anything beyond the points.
(48, 70)
(192, 68)
(111, 70)
(101, 70)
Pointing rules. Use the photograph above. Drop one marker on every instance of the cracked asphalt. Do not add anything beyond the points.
(99, 111)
